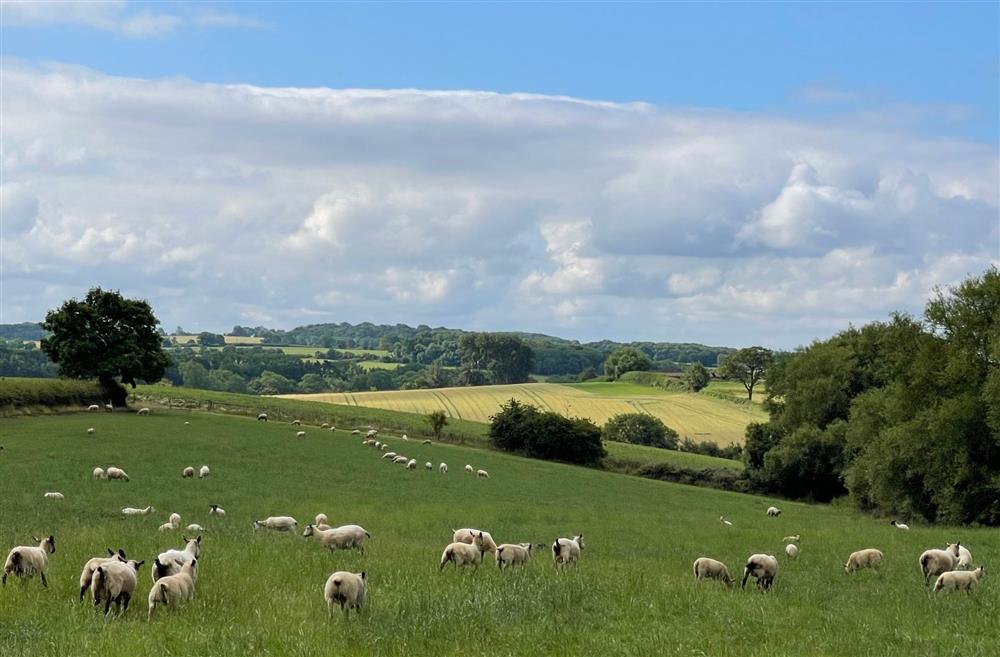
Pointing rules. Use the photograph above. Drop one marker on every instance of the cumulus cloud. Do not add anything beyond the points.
(476, 209)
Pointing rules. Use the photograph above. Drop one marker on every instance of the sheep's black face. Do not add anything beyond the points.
(52, 544)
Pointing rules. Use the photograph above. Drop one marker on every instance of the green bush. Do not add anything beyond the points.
(640, 429)
(523, 429)
(20, 393)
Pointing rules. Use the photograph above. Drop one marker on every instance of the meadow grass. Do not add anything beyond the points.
(632, 594)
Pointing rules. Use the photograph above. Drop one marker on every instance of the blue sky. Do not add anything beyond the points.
(739, 172)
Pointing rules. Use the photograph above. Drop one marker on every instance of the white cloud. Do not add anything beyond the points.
(476, 209)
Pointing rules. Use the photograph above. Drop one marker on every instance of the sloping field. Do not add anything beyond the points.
(698, 416)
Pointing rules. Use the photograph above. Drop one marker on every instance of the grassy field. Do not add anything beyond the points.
(632, 594)
(699, 416)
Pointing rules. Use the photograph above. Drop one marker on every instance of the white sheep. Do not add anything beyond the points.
(867, 558)
(428, 466)
(566, 551)
(482, 474)
(773, 511)
(411, 464)
(296, 423)
(371, 433)
(99, 473)
(195, 527)
(54, 495)
(172, 589)
(188, 472)
(26, 560)
(203, 472)
(791, 539)
(115, 581)
(960, 580)
(142, 411)
(325, 425)
(132, 511)
(300, 434)
(425, 442)
(345, 537)
(170, 562)
(217, 510)
(356, 432)
(514, 554)
(277, 523)
(464, 554)
(91, 431)
(406, 438)
(468, 535)
(108, 408)
(400, 459)
(725, 521)
(262, 417)
(321, 519)
(87, 575)
(964, 558)
(935, 562)
(390, 455)
(898, 525)
(706, 568)
(469, 469)
(385, 447)
(443, 468)
(93, 407)
(792, 550)
(175, 520)
(350, 590)
(763, 567)
(167, 527)
(116, 473)
(377, 444)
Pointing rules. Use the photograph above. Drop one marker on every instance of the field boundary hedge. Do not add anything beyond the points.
(42, 395)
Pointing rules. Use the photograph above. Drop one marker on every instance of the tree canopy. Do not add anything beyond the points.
(625, 359)
(748, 366)
(523, 429)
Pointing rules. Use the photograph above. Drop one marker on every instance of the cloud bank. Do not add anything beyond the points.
(228, 204)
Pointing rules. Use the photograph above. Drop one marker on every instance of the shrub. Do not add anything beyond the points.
(640, 429)
(708, 448)
(25, 392)
(523, 429)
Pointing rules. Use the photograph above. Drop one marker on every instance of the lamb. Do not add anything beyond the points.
(173, 589)
(108, 408)
(89, 568)
(482, 474)
(188, 472)
(115, 582)
(99, 473)
(321, 519)
(385, 447)
(898, 525)
(277, 523)
(377, 445)
(142, 411)
(116, 473)
(54, 495)
(406, 438)
(325, 425)
(464, 554)
(706, 568)
(26, 560)
(773, 511)
(428, 466)
(93, 407)
(566, 551)
(175, 520)
(791, 539)
(91, 431)
(763, 567)
(469, 469)
(371, 433)
(350, 590)
(959, 580)
(792, 550)
(400, 459)
(936, 562)
(443, 468)
(468, 535)
(217, 510)
(411, 464)
(867, 558)
(203, 472)
(167, 526)
(345, 537)
(300, 434)
(262, 417)
(132, 511)
(390, 455)
(170, 562)
(514, 554)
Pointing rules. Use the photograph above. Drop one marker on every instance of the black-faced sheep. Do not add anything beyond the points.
(350, 590)
(763, 567)
(26, 560)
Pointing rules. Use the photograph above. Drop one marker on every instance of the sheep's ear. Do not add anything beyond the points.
(199, 539)
(364, 576)
(184, 538)
(111, 552)
(139, 564)
(121, 553)
(34, 538)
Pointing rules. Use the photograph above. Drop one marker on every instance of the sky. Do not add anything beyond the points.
(730, 174)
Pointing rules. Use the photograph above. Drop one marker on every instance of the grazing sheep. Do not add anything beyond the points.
(108, 408)
(203, 472)
(186, 423)
(217, 510)
(325, 425)
(898, 525)
(277, 523)
(468, 535)
(93, 407)
(706, 568)
(385, 447)
(428, 466)
(936, 562)
(87, 575)
(98, 473)
(469, 469)
(333, 428)
(300, 434)
(297, 423)
(763, 567)
(724, 521)
(91, 431)
(791, 539)
(188, 472)
(54, 495)
(425, 442)
(167, 527)
(262, 417)
(773, 511)
(959, 580)
(170, 562)
(356, 432)
(350, 590)
(406, 438)
(377, 445)
(345, 537)
(371, 433)
(566, 551)
(26, 560)
(514, 554)
(411, 464)
(142, 411)
(389, 455)
(172, 589)
(400, 459)
(443, 468)
(964, 558)
(132, 511)
(115, 582)
(195, 527)
(867, 558)
(175, 520)
(116, 473)
(464, 554)
(482, 474)
(792, 550)
(321, 519)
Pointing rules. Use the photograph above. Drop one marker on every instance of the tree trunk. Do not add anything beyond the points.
(114, 392)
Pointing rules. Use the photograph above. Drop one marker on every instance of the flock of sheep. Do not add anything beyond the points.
(114, 578)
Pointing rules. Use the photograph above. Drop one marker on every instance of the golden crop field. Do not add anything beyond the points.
(698, 416)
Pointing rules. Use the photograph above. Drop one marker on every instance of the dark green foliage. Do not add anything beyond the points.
(748, 366)
(625, 359)
(271, 383)
(107, 337)
(697, 377)
(523, 429)
(721, 478)
(731, 451)
(640, 429)
(23, 331)
(438, 421)
(654, 379)
(505, 357)
(206, 339)
(24, 359)
(21, 393)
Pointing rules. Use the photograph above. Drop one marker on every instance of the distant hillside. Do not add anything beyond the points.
(22, 331)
